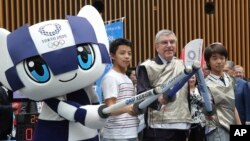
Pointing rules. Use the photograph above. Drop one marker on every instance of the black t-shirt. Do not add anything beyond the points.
(6, 113)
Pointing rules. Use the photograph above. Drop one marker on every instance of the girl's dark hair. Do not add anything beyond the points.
(215, 48)
(116, 43)
(129, 71)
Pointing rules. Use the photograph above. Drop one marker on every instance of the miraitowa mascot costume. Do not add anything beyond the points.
(58, 61)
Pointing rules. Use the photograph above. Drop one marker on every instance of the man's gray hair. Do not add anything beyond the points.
(230, 64)
(165, 32)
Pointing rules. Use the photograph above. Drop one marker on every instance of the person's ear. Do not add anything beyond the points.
(112, 56)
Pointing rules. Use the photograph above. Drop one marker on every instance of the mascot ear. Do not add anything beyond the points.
(5, 61)
(95, 19)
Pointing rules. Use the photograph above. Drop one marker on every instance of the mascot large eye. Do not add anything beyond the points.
(37, 69)
(85, 56)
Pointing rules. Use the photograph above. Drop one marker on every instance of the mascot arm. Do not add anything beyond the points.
(88, 115)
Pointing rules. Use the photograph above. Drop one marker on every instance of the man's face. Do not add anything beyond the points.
(217, 63)
(226, 69)
(239, 72)
(166, 46)
(122, 57)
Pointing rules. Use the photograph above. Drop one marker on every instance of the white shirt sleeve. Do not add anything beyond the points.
(109, 87)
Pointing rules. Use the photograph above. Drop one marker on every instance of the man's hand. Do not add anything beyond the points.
(131, 110)
(162, 100)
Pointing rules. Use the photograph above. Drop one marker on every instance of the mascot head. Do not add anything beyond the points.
(55, 57)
